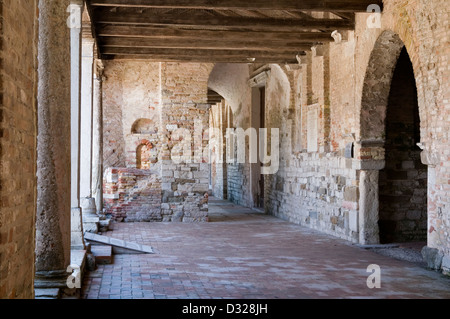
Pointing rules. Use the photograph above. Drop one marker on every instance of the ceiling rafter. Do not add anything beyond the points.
(219, 30)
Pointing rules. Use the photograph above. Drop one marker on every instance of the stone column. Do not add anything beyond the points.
(76, 9)
(53, 146)
(89, 209)
(368, 207)
(97, 154)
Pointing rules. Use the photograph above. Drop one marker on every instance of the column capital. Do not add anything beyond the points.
(98, 70)
(79, 3)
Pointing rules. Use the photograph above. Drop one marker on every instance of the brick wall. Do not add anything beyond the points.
(150, 104)
(133, 195)
(185, 182)
(17, 147)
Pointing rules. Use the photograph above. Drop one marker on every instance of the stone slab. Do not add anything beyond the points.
(47, 293)
(102, 253)
(138, 248)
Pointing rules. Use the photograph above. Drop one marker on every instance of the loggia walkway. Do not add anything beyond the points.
(243, 254)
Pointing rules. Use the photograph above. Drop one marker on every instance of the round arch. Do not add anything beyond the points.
(375, 100)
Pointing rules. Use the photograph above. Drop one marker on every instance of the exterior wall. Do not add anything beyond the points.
(18, 147)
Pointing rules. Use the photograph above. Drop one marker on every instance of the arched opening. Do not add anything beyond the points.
(144, 156)
(403, 181)
(228, 92)
(144, 126)
(393, 181)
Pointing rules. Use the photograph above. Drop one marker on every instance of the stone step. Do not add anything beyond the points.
(102, 253)
(104, 225)
(119, 246)
(47, 293)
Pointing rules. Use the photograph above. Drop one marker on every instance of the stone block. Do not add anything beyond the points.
(446, 265)
(351, 193)
(353, 220)
(433, 257)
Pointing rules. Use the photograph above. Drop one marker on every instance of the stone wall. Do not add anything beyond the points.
(18, 147)
(185, 158)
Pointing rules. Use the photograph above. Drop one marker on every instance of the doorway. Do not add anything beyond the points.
(403, 181)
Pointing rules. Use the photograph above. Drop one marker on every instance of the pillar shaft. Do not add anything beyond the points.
(368, 207)
(76, 10)
(53, 143)
(97, 156)
(87, 67)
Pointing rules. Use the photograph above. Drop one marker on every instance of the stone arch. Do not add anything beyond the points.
(377, 85)
(143, 155)
(230, 81)
(370, 148)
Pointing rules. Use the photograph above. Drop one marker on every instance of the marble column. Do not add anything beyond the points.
(97, 148)
(89, 209)
(53, 146)
(76, 9)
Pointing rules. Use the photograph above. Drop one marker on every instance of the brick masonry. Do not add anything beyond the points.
(151, 114)
(18, 74)
(132, 195)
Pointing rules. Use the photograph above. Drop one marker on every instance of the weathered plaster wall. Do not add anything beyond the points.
(18, 147)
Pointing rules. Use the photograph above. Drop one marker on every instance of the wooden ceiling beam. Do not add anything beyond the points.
(203, 35)
(199, 20)
(197, 59)
(251, 45)
(312, 5)
(240, 54)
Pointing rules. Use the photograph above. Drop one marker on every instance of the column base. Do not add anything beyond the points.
(77, 238)
(51, 279)
(89, 215)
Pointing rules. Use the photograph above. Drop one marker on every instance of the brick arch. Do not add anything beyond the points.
(143, 146)
(377, 85)
(374, 103)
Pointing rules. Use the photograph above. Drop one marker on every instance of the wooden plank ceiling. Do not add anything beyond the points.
(233, 31)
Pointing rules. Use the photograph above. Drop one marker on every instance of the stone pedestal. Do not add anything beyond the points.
(90, 217)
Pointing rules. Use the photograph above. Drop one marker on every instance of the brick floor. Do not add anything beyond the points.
(243, 254)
